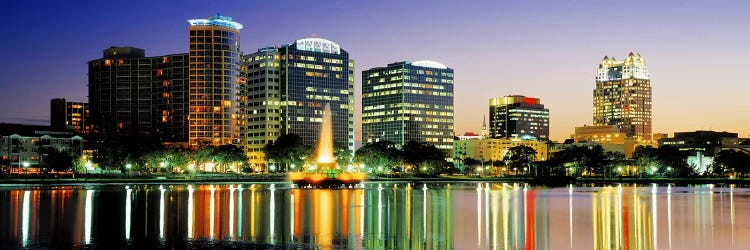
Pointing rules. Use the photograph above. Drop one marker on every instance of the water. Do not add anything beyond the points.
(379, 216)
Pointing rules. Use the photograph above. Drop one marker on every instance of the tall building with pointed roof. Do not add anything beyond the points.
(622, 96)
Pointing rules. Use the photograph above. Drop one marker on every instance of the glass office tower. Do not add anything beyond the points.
(286, 89)
(214, 110)
(317, 72)
(408, 101)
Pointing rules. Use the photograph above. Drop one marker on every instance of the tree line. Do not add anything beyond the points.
(383, 157)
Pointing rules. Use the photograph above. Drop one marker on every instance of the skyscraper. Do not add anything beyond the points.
(408, 101)
(286, 89)
(261, 75)
(517, 116)
(622, 96)
(133, 95)
(214, 112)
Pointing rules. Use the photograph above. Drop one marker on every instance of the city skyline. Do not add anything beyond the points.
(527, 55)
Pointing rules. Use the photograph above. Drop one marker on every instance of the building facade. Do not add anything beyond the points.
(72, 116)
(286, 89)
(134, 95)
(22, 145)
(262, 106)
(316, 72)
(495, 149)
(214, 116)
(709, 143)
(408, 101)
(622, 95)
(518, 116)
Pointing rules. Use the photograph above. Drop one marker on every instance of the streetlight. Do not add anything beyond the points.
(25, 165)
(89, 166)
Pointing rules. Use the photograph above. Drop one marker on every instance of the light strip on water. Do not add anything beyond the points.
(272, 218)
(161, 212)
(190, 213)
(212, 209)
(231, 211)
(25, 222)
(128, 211)
(87, 218)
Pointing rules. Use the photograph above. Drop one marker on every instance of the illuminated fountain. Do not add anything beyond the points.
(326, 173)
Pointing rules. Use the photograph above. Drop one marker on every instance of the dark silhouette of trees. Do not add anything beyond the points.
(383, 154)
(425, 159)
(732, 161)
(287, 150)
(53, 159)
(520, 158)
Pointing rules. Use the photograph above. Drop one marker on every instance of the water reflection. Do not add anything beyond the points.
(379, 216)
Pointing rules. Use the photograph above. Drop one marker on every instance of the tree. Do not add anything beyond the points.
(379, 156)
(423, 158)
(736, 161)
(471, 165)
(343, 156)
(520, 157)
(288, 150)
(54, 159)
(228, 154)
(613, 161)
(571, 160)
(202, 155)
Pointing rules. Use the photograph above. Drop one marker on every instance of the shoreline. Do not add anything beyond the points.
(552, 182)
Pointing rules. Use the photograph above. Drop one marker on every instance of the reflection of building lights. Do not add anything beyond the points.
(87, 219)
(272, 209)
(161, 212)
(231, 211)
(190, 212)
(211, 211)
(25, 218)
(128, 211)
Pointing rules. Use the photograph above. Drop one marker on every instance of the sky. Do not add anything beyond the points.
(696, 50)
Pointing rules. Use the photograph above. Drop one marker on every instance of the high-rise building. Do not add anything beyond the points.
(69, 115)
(517, 116)
(408, 101)
(214, 112)
(131, 94)
(262, 106)
(622, 96)
(286, 89)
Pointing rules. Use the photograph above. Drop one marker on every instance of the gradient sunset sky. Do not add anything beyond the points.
(696, 51)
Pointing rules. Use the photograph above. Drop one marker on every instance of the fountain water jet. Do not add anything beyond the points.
(326, 160)
(326, 173)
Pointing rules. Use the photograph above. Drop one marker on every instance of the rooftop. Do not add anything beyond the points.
(217, 20)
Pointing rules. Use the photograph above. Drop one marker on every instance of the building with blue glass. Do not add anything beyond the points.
(408, 101)
(286, 89)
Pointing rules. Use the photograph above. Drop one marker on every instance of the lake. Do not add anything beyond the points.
(379, 215)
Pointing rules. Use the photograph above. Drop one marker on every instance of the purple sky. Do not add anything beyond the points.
(695, 50)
